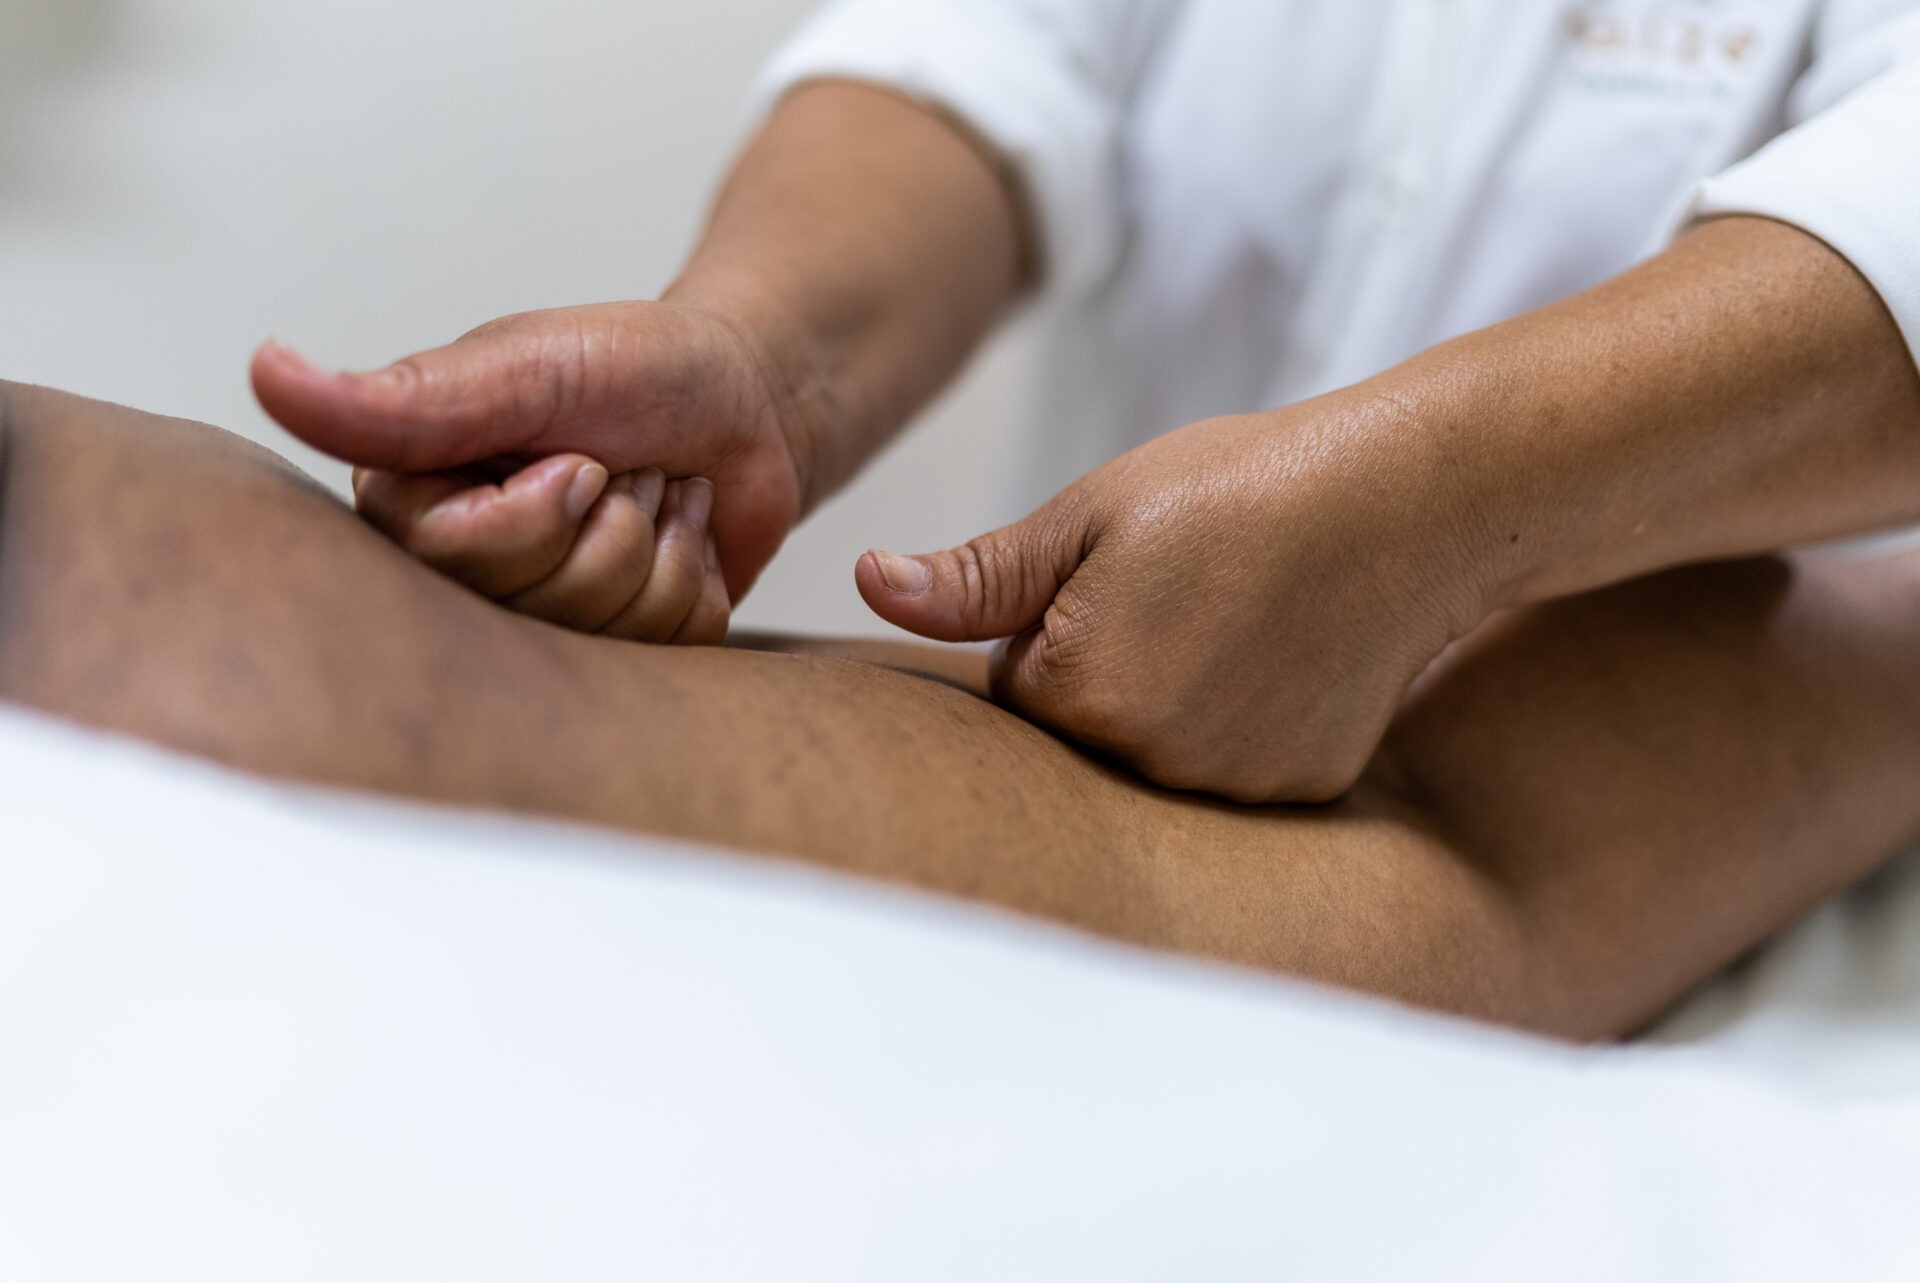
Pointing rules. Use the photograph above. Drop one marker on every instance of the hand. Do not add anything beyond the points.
(533, 400)
(629, 556)
(1237, 607)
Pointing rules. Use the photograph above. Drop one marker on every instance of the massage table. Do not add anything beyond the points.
(257, 1032)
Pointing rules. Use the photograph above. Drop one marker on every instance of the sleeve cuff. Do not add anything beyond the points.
(1850, 176)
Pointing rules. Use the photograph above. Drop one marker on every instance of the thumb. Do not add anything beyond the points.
(996, 585)
(478, 398)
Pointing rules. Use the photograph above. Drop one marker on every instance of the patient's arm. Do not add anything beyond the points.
(1588, 809)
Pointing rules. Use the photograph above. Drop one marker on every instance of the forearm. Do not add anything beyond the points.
(1522, 851)
(869, 245)
(1744, 391)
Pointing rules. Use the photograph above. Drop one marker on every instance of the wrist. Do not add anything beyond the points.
(1547, 464)
(802, 381)
(1473, 491)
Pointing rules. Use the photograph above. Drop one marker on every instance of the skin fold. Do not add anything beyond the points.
(1583, 810)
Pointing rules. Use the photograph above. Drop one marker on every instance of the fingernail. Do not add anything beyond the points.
(586, 486)
(649, 487)
(907, 576)
(696, 502)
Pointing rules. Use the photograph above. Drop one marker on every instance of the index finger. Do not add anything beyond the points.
(498, 539)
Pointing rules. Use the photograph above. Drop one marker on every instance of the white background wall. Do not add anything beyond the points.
(180, 179)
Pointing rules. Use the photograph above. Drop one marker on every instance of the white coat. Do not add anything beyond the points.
(1242, 203)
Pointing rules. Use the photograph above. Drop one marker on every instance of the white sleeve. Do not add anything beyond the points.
(1848, 170)
(1046, 82)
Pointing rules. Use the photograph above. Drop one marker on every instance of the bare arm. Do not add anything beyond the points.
(875, 242)
(1579, 814)
(1744, 391)
(1296, 569)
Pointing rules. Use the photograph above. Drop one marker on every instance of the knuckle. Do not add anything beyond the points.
(502, 326)
(407, 388)
(537, 546)
(631, 554)
(546, 370)
(508, 562)
(577, 602)
(662, 607)
(540, 387)
(995, 581)
(973, 567)
(1065, 682)
(408, 377)
(617, 542)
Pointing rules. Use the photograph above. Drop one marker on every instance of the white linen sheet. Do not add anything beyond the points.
(257, 1033)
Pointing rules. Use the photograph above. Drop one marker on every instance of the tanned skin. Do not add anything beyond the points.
(1585, 809)
(1237, 607)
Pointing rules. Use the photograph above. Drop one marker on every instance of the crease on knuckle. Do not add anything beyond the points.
(978, 586)
(412, 383)
(679, 578)
(546, 388)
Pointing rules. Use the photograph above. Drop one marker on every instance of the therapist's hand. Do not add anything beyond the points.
(532, 459)
(1236, 607)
